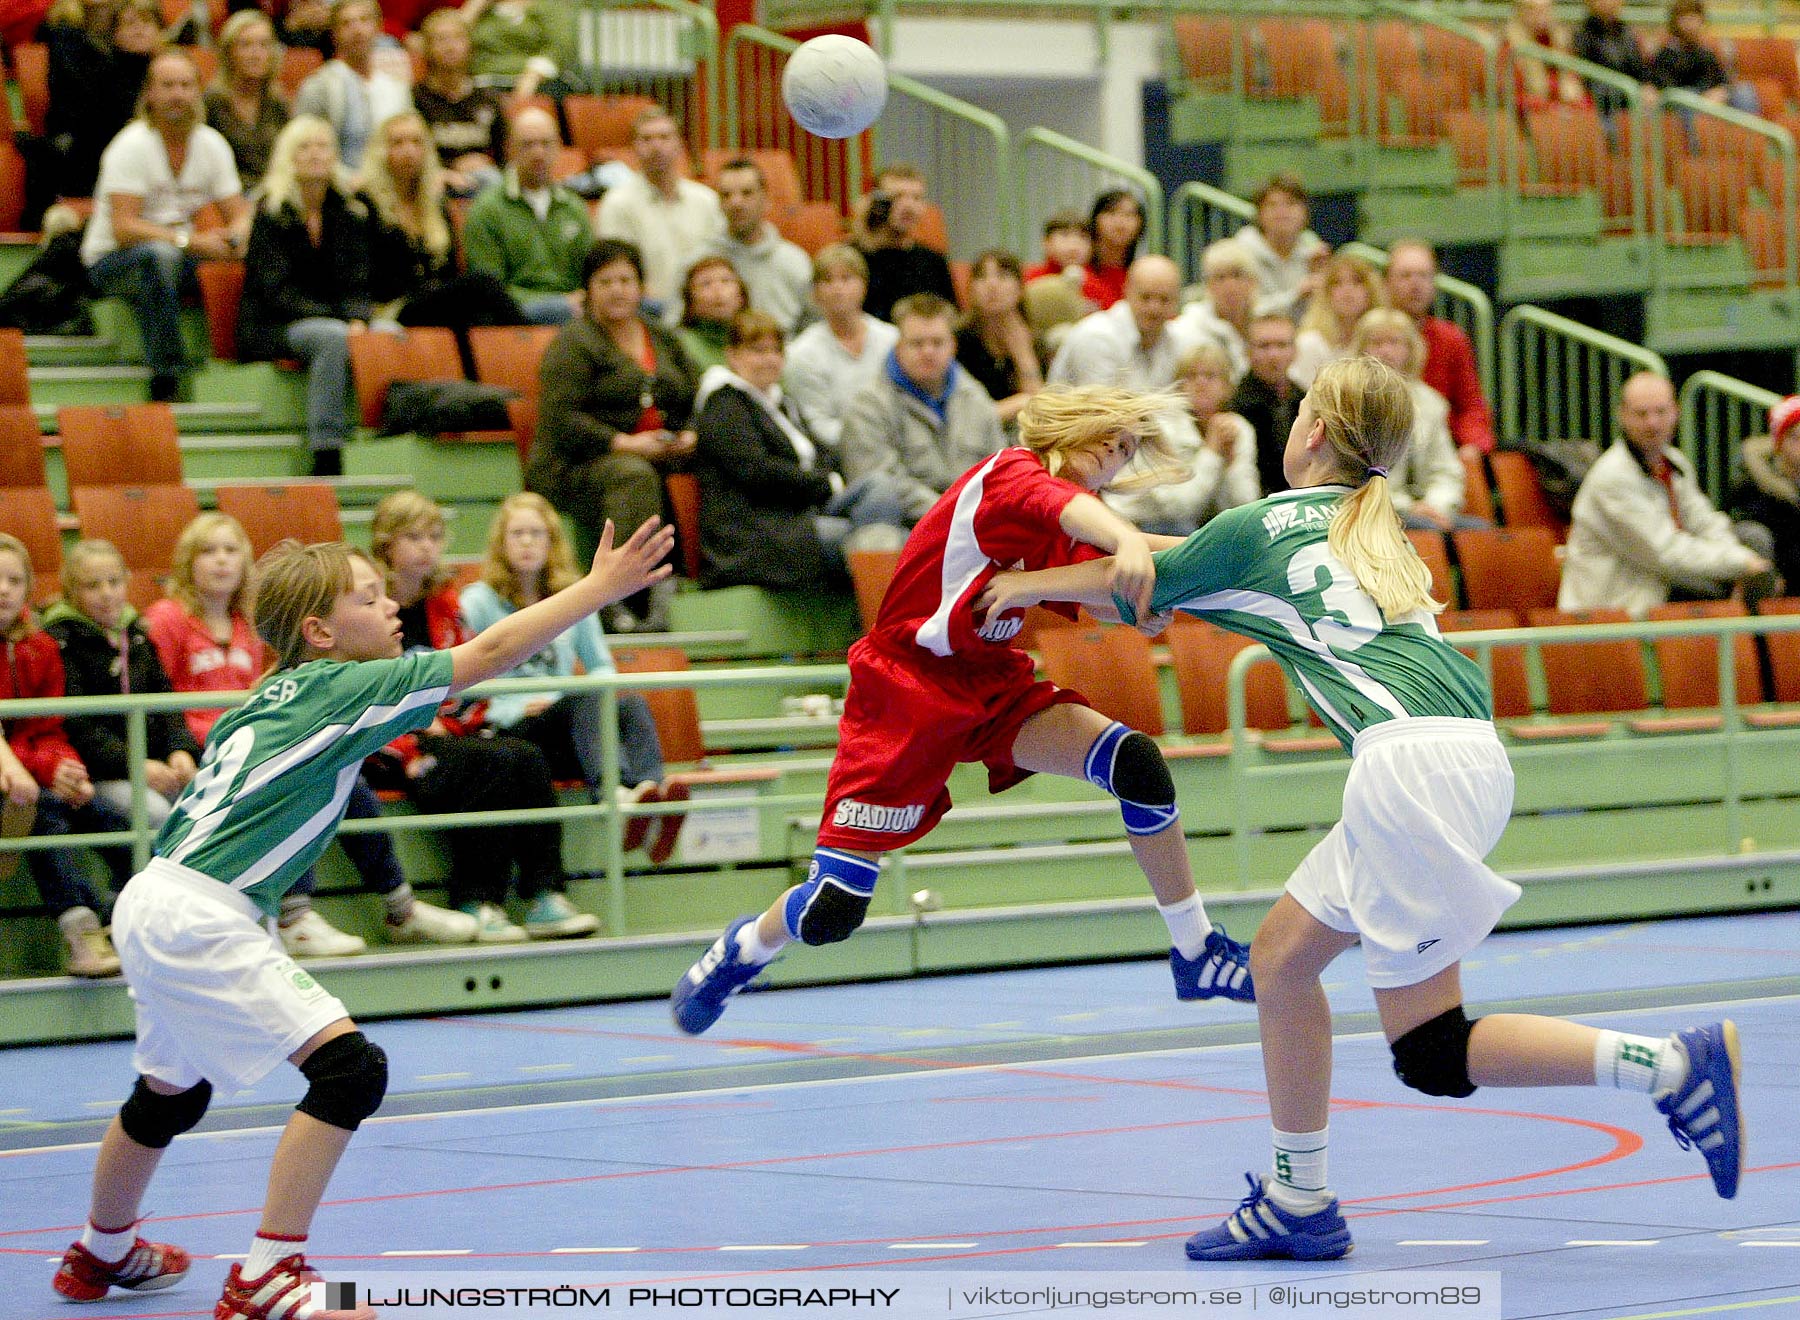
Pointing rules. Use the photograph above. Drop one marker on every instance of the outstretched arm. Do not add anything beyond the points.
(616, 574)
(1130, 571)
(1089, 584)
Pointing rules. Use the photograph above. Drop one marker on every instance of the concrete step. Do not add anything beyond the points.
(1533, 270)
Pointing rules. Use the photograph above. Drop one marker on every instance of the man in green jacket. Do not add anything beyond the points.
(527, 230)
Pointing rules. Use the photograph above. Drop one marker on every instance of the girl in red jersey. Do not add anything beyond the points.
(935, 684)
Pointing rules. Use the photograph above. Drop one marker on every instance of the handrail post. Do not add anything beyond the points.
(1732, 720)
(137, 753)
(613, 822)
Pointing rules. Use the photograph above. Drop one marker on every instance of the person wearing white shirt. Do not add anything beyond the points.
(350, 93)
(832, 359)
(155, 176)
(1348, 287)
(777, 273)
(670, 218)
(1135, 342)
(1220, 309)
(1287, 255)
(1429, 486)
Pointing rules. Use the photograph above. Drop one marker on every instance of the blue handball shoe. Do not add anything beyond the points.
(1222, 971)
(699, 997)
(1261, 1230)
(1704, 1112)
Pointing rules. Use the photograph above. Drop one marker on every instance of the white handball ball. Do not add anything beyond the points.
(834, 86)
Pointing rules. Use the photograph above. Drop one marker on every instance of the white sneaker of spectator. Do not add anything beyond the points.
(90, 951)
(492, 925)
(311, 936)
(433, 925)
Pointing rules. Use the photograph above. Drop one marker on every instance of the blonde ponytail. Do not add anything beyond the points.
(1366, 409)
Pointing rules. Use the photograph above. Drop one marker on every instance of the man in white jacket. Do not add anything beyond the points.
(1643, 530)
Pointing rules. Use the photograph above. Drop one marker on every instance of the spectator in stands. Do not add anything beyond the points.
(774, 510)
(529, 231)
(1348, 288)
(348, 91)
(1537, 85)
(105, 651)
(467, 122)
(39, 768)
(669, 217)
(1428, 487)
(528, 45)
(1227, 299)
(1643, 532)
(1267, 397)
(925, 421)
(1687, 60)
(711, 295)
(618, 395)
(528, 557)
(305, 24)
(1217, 447)
(995, 344)
(413, 268)
(1449, 356)
(777, 273)
(308, 280)
(203, 636)
(1068, 245)
(141, 244)
(1603, 38)
(1136, 342)
(1769, 492)
(833, 358)
(457, 764)
(1116, 225)
(98, 55)
(887, 234)
(244, 102)
(1285, 254)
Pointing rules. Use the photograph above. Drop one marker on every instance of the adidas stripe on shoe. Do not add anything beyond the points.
(1703, 1112)
(148, 1266)
(1261, 1230)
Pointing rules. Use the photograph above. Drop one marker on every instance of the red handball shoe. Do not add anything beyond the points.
(84, 1277)
(292, 1290)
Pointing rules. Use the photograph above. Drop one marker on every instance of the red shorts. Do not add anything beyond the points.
(906, 726)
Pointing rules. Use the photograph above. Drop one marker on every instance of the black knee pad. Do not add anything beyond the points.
(1433, 1058)
(833, 915)
(1140, 775)
(153, 1119)
(349, 1078)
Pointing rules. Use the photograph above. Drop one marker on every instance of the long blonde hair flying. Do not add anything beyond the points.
(1066, 419)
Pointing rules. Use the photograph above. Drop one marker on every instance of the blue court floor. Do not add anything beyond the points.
(1016, 1125)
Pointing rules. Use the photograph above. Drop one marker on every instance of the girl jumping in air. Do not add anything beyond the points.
(1323, 576)
(935, 684)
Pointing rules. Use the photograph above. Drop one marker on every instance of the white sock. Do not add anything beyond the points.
(1188, 925)
(751, 945)
(1639, 1063)
(268, 1252)
(108, 1247)
(1297, 1181)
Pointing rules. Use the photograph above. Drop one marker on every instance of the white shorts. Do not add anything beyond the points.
(216, 996)
(1426, 801)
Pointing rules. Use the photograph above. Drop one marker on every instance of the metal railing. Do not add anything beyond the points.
(666, 50)
(1054, 171)
(756, 119)
(1725, 162)
(1562, 378)
(1200, 215)
(1718, 413)
(1462, 304)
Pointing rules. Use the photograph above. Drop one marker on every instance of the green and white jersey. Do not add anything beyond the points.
(278, 770)
(1266, 571)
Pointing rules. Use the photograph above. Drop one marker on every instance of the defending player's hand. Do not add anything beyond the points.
(635, 565)
(1134, 572)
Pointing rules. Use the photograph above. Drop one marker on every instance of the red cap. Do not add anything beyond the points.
(1783, 415)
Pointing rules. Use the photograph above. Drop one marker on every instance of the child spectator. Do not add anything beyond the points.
(712, 293)
(203, 635)
(1537, 85)
(447, 767)
(106, 652)
(1067, 246)
(1348, 288)
(1116, 224)
(995, 344)
(528, 558)
(245, 103)
(37, 765)
(833, 358)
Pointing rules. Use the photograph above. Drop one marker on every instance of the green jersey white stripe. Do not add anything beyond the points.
(278, 769)
(1265, 570)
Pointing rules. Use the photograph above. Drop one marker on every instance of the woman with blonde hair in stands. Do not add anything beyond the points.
(244, 101)
(1348, 287)
(528, 558)
(1429, 485)
(1323, 576)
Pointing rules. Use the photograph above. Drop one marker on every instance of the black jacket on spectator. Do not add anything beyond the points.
(1271, 417)
(476, 123)
(895, 272)
(250, 143)
(591, 392)
(434, 291)
(999, 376)
(1609, 43)
(287, 279)
(93, 94)
(1767, 495)
(1693, 68)
(756, 502)
(91, 667)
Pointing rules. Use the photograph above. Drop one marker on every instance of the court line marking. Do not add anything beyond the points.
(592, 1251)
(436, 1251)
(1711, 1310)
(1443, 1242)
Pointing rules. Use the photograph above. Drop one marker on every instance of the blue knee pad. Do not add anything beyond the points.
(1130, 766)
(834, 899)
